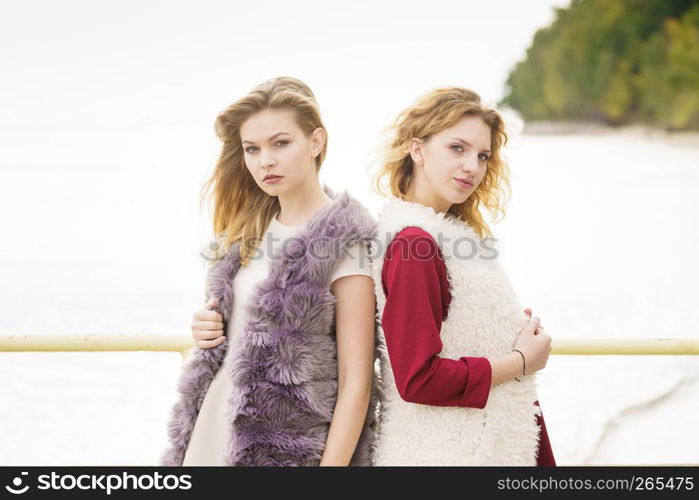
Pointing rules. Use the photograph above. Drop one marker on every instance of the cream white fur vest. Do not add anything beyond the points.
(484, 319)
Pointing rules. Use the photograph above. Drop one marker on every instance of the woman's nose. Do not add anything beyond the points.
(471, 164)
(267, 160)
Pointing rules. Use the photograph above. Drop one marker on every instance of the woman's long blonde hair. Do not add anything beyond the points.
(241, 210)
(431, 113)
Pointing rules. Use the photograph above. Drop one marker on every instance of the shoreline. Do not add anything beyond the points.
(680, 138)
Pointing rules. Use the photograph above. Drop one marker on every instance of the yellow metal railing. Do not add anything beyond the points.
(183, 344)
(107, 342)
(607, 346)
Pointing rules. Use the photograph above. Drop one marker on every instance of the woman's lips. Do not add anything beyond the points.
(463, 184)
(272, 179)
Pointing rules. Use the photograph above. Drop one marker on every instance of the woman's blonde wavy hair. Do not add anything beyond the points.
(241, 210)
(432, 113)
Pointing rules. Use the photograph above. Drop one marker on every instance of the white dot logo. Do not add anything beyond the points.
(17, 483)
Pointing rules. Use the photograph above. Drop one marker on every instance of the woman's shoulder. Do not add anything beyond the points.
(414, 252)
(413, 232)
(414, 243)
(353, 260)
(414, 264)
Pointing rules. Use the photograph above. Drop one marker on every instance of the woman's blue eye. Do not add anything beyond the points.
(460, 149)
(252, 149)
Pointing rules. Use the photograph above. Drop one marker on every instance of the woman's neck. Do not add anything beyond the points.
(300, 205)
(424, 197)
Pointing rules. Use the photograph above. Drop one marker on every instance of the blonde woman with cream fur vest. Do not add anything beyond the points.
(459, 355)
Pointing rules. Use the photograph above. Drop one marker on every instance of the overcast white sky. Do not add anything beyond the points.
(110, 64)
(135, 86)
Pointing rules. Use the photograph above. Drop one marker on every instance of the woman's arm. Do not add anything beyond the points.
(354, 317)
(506, 367)
(416, 285)
(417, 296)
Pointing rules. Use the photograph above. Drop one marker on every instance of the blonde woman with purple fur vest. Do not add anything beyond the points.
(282, 372)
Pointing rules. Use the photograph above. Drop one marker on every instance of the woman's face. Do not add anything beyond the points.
(277, 153)
(450, 164)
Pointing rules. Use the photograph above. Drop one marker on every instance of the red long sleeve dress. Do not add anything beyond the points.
(417, 301)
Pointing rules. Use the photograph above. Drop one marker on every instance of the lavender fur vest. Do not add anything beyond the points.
(284, 368)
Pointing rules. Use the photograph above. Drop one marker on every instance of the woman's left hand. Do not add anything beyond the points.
(528, 312)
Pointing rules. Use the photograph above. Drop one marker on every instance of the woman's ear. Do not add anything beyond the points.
(318, 139)
(415, 146)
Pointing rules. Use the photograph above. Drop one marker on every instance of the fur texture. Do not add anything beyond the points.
(484, 319)
(284, 365)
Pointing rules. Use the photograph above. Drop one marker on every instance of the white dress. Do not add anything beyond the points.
(212, 430)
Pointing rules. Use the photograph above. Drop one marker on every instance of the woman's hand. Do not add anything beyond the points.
(528, 312)
(207, 327)
(534, 343)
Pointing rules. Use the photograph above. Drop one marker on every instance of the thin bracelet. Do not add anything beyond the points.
(524, 371)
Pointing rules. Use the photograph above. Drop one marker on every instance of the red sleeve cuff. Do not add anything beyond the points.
(477, 389)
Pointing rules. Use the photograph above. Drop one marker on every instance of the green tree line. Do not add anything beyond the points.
(614, 61)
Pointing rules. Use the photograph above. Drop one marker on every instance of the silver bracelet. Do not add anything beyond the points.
(524, 371)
